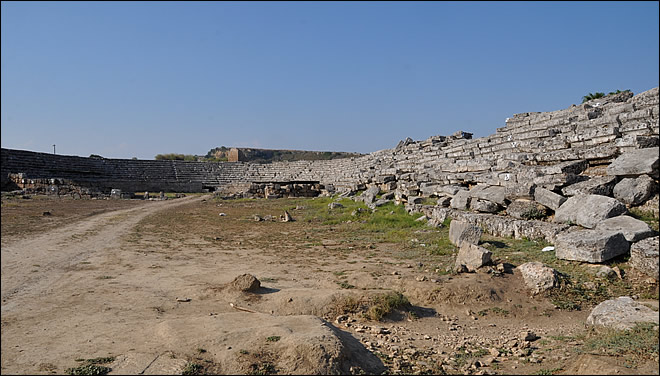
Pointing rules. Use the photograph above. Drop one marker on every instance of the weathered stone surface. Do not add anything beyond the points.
(484, 206)
(472, 257)
(538, 277)
(498, 225)
(644, 256)
(492, 193)
(635, 163)
(370, 194)
(526, 209)
(632, 229)
(633, 191)
(592, 246)
(588, 210)
(461, 200)
(463, 232)
(599, 185)
(548, 198)
(621, 313)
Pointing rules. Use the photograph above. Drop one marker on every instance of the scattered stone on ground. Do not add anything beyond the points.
(621, 313)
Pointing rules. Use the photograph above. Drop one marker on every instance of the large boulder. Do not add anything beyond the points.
(632, 229)
(538, 277)
(463, 232)
(548, 198)
(634, 191)
(472, 257)
(621, 313)
(588, 210)
(644, 256)
(635, 163)
(592, 246)
(599, 185)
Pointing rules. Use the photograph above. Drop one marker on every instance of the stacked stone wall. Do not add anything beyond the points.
(532, 150)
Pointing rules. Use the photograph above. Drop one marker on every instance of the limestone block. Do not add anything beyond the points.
(491, 193)
(644, 256)
(548, 198)
(588, 210)
(599, 185)
(472, 257)
(464, 232)
(591, 246)
(484, 206)
(526, 209)
(632, 229)
(461, 200)
(538, 277)
(621, 313)
(635, 191)
(635, 163)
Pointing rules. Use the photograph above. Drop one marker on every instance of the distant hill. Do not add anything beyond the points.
(272, 155)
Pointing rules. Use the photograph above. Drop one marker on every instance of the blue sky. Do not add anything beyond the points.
(135, 79)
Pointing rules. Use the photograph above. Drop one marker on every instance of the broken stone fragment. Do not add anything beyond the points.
(471, 257)
(548, 198)
(538, 277)
(245, 283)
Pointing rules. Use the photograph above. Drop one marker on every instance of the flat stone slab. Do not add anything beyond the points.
(525, 209)
(548, 198)
(632, 229)
(592, 246)
(538, 277)
(589, 210)
(484, 206)
(635, 163)
(599, 185)
(621, 313)
(493, 193)
(644, 256)
(464, 232)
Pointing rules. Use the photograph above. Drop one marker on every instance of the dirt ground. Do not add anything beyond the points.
(145, 284)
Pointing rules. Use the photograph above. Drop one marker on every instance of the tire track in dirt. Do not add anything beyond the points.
(58, 249)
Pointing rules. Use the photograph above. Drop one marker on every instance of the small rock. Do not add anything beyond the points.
(222, 214)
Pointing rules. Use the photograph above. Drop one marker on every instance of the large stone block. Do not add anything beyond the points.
(592, 246)
(621, 313)
(644, 256)
(632, 229)
(484, 206)
(635, 163)
(472, 257)
(491, 193)
(460, 232)
(588, 210)
(599, 185)
(461, 200)
(548, 198)
(634, 191)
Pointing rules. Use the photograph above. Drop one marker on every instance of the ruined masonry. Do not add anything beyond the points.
(600, 158)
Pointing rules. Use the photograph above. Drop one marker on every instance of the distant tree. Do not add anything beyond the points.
(134, 158)
(95, 156)
(591, 96)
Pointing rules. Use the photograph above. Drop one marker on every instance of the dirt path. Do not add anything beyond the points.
(56, 250)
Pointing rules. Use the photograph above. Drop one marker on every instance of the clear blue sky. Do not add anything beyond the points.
(135, 79)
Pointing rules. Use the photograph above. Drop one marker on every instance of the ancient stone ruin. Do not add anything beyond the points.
(567, 176)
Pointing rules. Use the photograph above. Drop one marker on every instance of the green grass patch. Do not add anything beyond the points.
(383, 304)
(638, 343)
(91, 366)
(192, 368)
(646, 216)
(273, 338)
